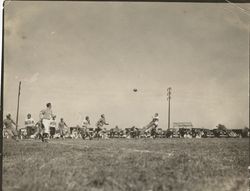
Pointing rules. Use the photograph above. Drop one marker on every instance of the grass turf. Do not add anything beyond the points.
(122, 164)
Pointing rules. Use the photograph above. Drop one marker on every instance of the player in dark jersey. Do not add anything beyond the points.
(8, 123)
(52, 127)
(61, 126)
(99, 125)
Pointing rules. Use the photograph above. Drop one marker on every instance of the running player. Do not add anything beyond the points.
(45, 117)
(84, 130)
(8, 123)
(155, 123)
(38, 131)
(86, 122)
(156, 120)
(52, 127)
(61, 126)
(151, 127)
(99, 125)
(29, 125)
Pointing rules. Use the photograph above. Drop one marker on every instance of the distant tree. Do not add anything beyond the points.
(245, 132)
(221, 127)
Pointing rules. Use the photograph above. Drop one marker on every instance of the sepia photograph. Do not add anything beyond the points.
(125, 96)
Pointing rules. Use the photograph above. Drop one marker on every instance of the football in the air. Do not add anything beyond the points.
(135, 90)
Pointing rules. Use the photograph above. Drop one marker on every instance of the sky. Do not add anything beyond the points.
(87, 57)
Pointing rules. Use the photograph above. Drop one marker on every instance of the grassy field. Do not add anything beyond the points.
(119, 164)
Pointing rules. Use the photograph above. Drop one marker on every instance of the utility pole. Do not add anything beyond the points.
(168, 98)
(18, 99)
(249, 89)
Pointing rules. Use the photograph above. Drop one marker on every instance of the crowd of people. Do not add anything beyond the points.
(46, 128)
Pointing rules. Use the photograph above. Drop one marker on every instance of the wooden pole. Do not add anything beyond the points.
(249, 89)
(169, 97)
(18, 100)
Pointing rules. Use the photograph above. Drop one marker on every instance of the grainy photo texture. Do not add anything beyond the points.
(105, 96)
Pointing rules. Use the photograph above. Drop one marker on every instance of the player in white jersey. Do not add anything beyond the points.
(86, 122)
(29, 125)
(151, 127)
(156, 120)
(84, 130)
(45, 117)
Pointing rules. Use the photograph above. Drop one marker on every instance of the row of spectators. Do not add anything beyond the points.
(48, 128)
